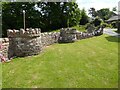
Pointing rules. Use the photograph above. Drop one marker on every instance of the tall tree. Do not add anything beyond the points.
(84, 17)
(92, 12)
(97, 21)
(45, 15)
(12, 15)
(105, 13)
(114, 9)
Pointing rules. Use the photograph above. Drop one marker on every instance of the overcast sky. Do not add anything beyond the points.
(97, 4)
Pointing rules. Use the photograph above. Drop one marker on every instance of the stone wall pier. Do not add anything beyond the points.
(24, 42)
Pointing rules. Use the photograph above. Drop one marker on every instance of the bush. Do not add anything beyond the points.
(106, 25)
(97, 21)
(114, 24)
(90, 27)
(84, 17)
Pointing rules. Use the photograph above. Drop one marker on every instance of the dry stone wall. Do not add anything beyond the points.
(67, 35)
(24, 43)
(83, 35)
(4, 44)
(71, 35)
(31, 41)
(49, 38)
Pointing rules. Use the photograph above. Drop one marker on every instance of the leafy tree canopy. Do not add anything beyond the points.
(44, 15)
(103, 13)
(84, 17)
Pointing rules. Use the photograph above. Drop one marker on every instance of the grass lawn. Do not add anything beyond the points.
(87, 63)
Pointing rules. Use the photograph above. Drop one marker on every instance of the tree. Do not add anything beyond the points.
(12, 15)
(105, 13)
(71, 12)
(97, 21)
(92, 12)
(114, 9)
(45, 15)
(84, 17)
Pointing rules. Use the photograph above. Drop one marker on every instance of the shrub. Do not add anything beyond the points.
(114, 24)
(106, 25)
(90, 27)
(97, 21)
(84, 17)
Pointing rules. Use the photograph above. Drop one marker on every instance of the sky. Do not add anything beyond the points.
(97, 4)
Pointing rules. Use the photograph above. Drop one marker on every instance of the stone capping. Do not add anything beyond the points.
(68, 30)
(4, 40)
(29, 32)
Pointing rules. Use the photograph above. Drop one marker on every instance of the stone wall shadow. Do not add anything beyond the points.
(113, 39)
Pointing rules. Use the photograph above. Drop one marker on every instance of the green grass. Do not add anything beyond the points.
(87, 63)
(57, 30)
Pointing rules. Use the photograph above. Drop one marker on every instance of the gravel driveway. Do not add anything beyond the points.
(111, 32)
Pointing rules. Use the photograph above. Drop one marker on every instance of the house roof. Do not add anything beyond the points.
(114, 18)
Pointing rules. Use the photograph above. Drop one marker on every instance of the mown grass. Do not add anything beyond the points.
(88, 63)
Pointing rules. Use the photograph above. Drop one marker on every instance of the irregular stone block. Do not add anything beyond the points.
(22, 31)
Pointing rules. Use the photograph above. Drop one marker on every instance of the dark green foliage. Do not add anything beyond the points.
(12, 15)
(114, 24)
(84, 17)
(88, 25)
(45, 15)
(92, 12)
(106, 25)
(97, 21)
(103, 13)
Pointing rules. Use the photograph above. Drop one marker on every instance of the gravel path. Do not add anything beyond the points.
(111, 32)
